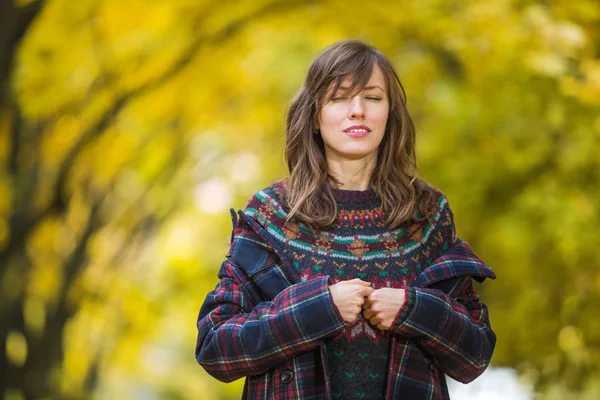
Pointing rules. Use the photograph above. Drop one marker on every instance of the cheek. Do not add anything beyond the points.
(381, 115)
(331, 116)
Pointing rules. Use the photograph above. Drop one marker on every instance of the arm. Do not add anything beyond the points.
(447, 319)
(456, 332)
(238, 338)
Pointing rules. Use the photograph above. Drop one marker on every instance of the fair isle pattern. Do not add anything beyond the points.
(359, 218)
(357, 245)
(278, 211)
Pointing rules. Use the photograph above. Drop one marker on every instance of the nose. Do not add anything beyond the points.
(356, 108)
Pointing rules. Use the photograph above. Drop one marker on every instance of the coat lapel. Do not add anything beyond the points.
(458, 261)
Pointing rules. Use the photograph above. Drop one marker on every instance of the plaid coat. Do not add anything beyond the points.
(259, 324)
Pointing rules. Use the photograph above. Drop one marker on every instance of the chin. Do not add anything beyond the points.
(355, 154)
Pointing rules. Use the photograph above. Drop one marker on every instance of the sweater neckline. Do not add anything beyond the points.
(353, 196)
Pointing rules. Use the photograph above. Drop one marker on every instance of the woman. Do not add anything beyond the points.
(346, 280)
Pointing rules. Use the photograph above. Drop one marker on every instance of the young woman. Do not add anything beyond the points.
(346, 280)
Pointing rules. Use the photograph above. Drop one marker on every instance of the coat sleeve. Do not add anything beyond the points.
(448, 320)
(240, 334)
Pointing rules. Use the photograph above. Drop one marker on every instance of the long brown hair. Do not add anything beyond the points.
(395, 177)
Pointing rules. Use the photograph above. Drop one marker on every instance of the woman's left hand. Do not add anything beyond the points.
(382, 306)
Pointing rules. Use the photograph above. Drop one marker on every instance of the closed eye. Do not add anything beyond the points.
(341, 98)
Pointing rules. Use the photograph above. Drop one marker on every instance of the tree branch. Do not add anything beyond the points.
(14, 23)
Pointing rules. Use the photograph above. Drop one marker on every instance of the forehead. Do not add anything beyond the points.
(377, 79)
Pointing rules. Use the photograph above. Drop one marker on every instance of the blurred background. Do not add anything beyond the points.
(128, 130)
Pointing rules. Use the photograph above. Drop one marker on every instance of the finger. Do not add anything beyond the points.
(362, 291)
(383, 328)
(367, 291)
(367, 288)
(371, 296)
(373, 320)
(364, 283)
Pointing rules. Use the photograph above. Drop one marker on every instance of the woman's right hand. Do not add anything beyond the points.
(349, 296)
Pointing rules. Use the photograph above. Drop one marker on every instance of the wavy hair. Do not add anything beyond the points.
(395, 176)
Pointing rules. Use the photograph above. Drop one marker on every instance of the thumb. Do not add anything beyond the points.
(367, 290)
(365, 283)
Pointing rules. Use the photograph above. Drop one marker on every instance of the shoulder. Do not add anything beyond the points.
(269, 204)
(249, 249)
(434, 199)
(275, 193)
(440, 215)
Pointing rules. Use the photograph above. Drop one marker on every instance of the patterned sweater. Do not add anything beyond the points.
(272, 307)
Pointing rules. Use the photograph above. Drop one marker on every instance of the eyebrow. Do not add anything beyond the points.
(366, 88)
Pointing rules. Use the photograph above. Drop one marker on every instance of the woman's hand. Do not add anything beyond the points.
(349, 296)
(382, 306)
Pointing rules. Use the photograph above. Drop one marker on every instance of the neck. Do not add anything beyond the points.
(353, 174)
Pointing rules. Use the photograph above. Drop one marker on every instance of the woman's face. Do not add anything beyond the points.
(367, 112)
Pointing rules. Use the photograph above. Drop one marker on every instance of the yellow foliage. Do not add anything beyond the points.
(16, 348)
(34, 314)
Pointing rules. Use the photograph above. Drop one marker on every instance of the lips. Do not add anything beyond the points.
(357, 134)
(357, 130)
(358, 127)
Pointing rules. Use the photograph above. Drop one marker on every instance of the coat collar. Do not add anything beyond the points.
(458, 261)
